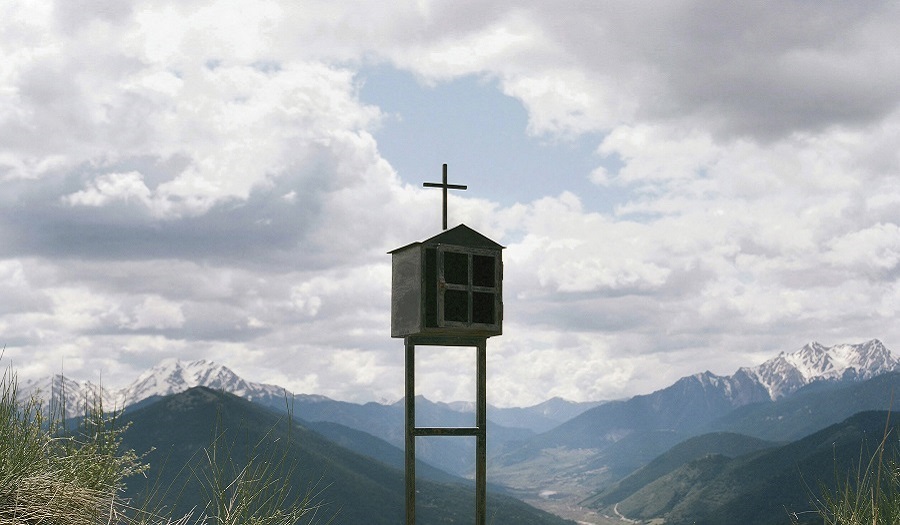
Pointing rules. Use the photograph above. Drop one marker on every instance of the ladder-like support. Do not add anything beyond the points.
(479, 431)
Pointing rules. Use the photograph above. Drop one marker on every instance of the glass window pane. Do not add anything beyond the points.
(456, 268)
(483, 308)
(456, 306)
(483, 270)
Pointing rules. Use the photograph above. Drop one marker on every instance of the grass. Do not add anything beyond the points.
(868, 496)
(256, 492)
(50, 475)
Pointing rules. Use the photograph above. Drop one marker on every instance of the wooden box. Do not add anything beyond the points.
(448, 285)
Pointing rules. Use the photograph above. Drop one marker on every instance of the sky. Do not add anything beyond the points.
(680, 186)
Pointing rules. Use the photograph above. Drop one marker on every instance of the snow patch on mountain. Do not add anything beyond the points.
(787, 373)
(60, 394)
(170, 376)
(776, 378)
(773, 379)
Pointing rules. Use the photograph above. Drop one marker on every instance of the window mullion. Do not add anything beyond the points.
(469, 288)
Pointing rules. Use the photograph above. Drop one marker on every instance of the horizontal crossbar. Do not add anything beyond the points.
(445, 185)
(446, 340)
(448, 431)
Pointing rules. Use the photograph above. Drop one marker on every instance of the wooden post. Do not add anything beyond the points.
(410, 432)
(481, 438)
(479, 431)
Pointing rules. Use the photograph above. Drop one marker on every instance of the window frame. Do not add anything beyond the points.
(469, 288)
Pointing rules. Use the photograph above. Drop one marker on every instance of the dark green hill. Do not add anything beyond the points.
(379, 450)
(723, 444)
(355, 488)
(762, 487)
(386, 422)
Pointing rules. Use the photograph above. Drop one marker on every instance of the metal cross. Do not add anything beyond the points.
(445, 187)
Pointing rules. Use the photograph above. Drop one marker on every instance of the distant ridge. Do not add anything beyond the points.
(170, 376)
(173, 376)
(726, 444)
(608, 442)
(776, 378)
(694, 401)
(756, 488)
(787, 373)
(352, 487)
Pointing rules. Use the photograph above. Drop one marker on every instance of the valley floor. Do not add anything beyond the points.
(570, 510)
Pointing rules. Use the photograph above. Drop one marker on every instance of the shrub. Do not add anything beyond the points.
(255, 493)
(871, 495)
(50, 476)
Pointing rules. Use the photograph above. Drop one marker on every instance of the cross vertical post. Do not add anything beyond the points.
(444, 186)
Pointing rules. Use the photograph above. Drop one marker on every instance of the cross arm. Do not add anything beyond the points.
(448, 186)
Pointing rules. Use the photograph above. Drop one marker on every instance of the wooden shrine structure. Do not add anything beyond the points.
(447, 291)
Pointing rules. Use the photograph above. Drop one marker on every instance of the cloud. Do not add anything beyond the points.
(203, 179)
(763, 70)
(158, 313)
(112, 187)
(219, 153)
(19, 291)
(872, 251)
(569, 250)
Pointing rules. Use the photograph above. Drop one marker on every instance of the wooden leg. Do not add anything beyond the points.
(410, 433)
(481, 439)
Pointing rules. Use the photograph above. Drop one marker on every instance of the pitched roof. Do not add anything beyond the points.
(461, 235)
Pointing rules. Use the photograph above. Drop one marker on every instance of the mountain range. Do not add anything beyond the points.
(773, 379)
(730, 478)
(180, 434)
(385, 421)
(172, 376)
(577, 452)
(606, 443)
(787, 373)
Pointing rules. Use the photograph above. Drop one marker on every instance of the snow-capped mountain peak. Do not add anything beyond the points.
(788, 372)
(59, 393)
(170, 376)
(776, 378)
